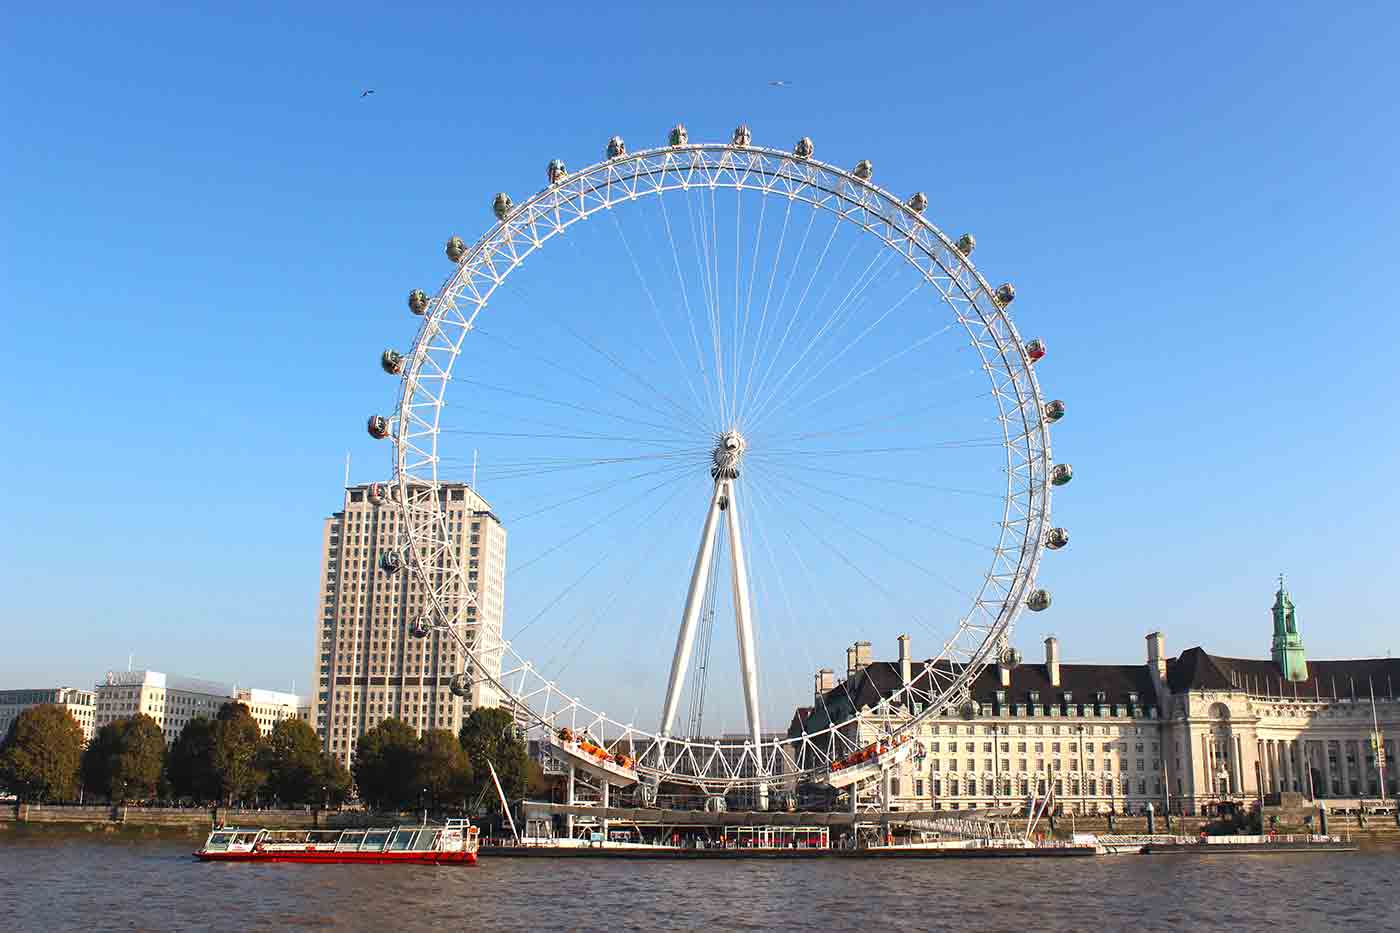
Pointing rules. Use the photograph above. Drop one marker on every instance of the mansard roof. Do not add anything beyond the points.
(879, 679)
(1197, 669)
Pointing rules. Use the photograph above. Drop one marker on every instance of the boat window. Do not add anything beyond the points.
(376, 839)
(403, 839)
(427, 839)
(351, 838)
(219, 840)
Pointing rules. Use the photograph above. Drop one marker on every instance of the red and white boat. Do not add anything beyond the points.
(453, 843)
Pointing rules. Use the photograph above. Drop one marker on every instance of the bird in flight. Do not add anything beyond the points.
(780, 83)
(364, 94)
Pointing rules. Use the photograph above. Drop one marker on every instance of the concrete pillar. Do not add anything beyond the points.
(1327, 774)
(570, 800)
(607, 790)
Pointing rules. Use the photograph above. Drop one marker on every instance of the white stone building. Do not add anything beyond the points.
(78, 702)
(1190, 732)
(173, 701)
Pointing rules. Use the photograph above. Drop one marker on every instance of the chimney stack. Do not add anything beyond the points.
(1004, 674)
(1157, 655)
(905, 661)
(1052, 660)
(825, 681)
(862, 655)
(851, 667)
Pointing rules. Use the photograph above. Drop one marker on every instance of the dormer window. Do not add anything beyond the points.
(1100, 697)
(1035, 696)
(1001, 697)
(1132, 699)
(1069, 698)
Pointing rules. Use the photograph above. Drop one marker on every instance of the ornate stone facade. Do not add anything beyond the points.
(1189, 732)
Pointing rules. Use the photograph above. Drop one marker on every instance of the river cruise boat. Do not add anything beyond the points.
(454, 842)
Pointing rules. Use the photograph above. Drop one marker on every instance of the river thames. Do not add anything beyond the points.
(81, 883)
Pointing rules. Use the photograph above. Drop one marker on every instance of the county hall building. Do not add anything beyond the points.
(1187, 733)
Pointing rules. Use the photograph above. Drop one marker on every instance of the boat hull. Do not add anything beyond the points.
(342, 858)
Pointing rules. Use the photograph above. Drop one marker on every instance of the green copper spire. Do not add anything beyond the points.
(1288, 644)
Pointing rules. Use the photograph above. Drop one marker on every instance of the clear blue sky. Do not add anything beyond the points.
(207, 235)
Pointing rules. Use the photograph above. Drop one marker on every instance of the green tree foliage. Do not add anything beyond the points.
(236, 740)
(292, 760)
(386, 765)
(125, 759)
(489, 735)
(40, 754)
(335, 781)
(190, 763)
(443, 769)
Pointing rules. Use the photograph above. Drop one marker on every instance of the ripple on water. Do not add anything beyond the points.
(101, 883)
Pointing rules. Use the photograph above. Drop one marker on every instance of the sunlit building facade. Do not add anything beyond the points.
(369, 666)
(1188, 733)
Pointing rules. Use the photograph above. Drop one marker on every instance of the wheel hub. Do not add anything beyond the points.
(729, 450)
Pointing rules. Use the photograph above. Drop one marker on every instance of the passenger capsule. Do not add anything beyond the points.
(804, 148)
(616, 148)
(418, 299)
(742, 136)
(375, 494)
(459, 685)
(918, 202)
(863, 170)
(390, 563)
(378, 427)
(966, 244)
(1061, 474)
(679, 137)
(1006, 293)
(391, 361)
(1038, 601)
(502, 205)
(420, 628)
(456, 249)
(1054, 411)
(1056, 538)
(1035, 350)
(556, 171)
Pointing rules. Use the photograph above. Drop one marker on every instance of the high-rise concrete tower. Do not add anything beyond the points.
(369, 667)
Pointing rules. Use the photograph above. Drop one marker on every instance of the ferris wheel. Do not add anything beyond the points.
(722, 381)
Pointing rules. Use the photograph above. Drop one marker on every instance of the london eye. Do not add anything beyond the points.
(714, 387)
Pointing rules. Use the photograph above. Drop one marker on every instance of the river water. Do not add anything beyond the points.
(93, 884)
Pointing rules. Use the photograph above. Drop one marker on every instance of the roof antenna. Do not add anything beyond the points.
(347, 469)
(130, 660)
(473, 469)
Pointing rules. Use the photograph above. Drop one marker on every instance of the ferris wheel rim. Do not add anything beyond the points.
(905, 225)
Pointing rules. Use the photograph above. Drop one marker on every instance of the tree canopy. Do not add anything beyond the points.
(40, 754)
(443, 769)
(236, 738)
(291, 758)
(125, 759)
(490, 735)
(190, 762)
(386, 766)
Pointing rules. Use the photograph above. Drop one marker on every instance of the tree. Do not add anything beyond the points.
(190, 763)
(236, 739)
(335, 781)
(489, 735)
(443, 769)
(291, 759)
(125, 759)
(386, 765)
(40, 754)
